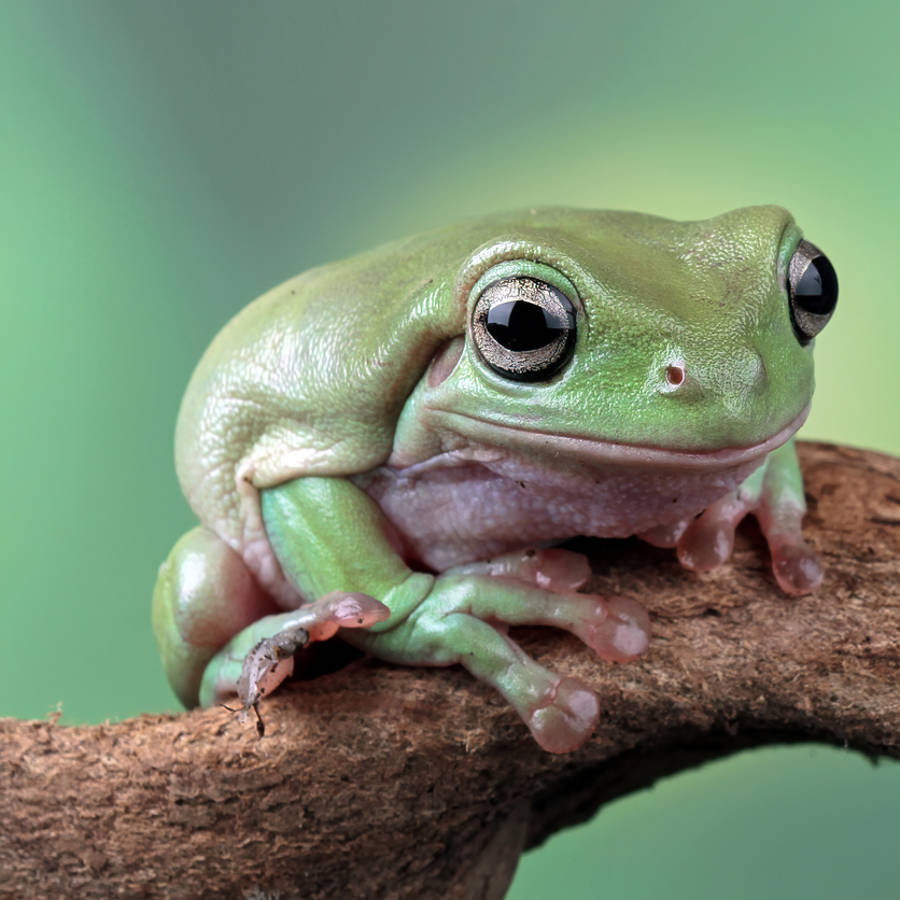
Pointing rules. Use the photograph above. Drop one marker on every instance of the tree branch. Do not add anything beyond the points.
(378, 781)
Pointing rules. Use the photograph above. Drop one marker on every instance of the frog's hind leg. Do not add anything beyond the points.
(204, 595)
(219, 633)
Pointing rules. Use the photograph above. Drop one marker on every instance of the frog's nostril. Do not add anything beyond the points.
(671, 377)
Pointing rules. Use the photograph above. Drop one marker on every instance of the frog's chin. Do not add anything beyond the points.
(596, 451)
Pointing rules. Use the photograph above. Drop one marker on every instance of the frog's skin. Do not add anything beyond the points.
(343, 440)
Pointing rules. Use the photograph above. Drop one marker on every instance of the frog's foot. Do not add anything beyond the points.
(258, 659)
(563, 716)
(708, 541)
(796, 566)
(665, 535)
(774, 495)
(463, 620)
(561, 712)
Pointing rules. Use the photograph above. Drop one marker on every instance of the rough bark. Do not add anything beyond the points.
(376, 781)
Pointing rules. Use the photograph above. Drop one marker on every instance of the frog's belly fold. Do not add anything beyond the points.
(475, 510)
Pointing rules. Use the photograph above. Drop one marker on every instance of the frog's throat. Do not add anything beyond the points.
(592, 450)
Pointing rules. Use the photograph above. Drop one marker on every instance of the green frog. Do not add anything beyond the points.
(392, 446)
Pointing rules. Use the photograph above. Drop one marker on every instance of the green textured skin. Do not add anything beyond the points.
(310, 379)
(322, 378)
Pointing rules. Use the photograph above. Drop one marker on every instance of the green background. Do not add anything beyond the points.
(163, 163)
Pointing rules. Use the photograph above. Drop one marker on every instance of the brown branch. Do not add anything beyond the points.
(378, 781)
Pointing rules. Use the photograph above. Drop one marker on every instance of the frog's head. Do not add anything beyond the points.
(626, 336)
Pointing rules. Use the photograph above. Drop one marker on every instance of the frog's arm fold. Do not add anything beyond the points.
(329, 536)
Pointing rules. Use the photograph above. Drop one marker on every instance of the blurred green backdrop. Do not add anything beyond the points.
(162, 163)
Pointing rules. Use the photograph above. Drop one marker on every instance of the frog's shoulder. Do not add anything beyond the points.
(309, 378)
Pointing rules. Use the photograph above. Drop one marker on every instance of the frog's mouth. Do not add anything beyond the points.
(593, 450)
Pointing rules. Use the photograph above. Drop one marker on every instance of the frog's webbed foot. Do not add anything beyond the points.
(465, 617)
(260, 657)
(774, 495)
(708, 540)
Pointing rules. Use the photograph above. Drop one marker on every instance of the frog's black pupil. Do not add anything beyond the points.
(816, 292)
(519, 325)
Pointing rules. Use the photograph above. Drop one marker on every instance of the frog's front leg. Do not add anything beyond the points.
(774, 494)
(463, 620)
(330, 536)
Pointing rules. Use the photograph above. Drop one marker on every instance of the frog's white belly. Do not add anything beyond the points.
(448, 516)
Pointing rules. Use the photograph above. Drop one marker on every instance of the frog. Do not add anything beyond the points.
(395, 447)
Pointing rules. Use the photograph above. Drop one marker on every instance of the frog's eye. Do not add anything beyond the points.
(523, 328)
(812, 291)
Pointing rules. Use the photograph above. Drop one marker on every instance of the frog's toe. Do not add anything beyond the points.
(706, 543)
(558, 570)
(564, 717)
(341, 609)
(617, 630)
(796, 567)
(665, 535)
(551, 569)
